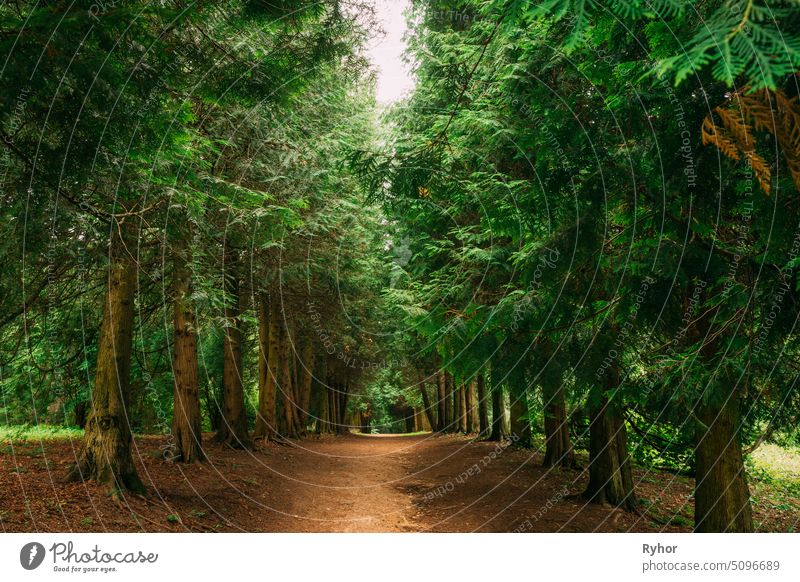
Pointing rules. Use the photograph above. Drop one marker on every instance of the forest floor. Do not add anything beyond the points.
(353, 483)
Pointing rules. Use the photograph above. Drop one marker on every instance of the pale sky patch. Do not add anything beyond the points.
(385, 51)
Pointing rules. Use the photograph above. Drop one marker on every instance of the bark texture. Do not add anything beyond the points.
(520, 425)
(462, 407)
(610, 477)
(558, 448)
(449, 412)
(186, 430)
(472, 410)
(722, 497)
(233, 427)
(285, 384)
(268, 338)
(441, 392)
(498, 415)
(483, 405)
(426, 402)
(307, 359)
(106, 453)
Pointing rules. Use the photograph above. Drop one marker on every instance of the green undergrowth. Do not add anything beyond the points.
(40, 432)
(774, 473)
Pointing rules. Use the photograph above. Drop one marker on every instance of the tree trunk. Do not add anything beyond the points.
(186, 431)
(233, 429)
(456, 406)
(268, 337)
(106, 454)
(333, 406)
(295, 369)
(558, 448)
(483, 405)
(506, 413)
(344, 392)
(294, 366)
(322, 408)
(722, 497)
(610, 477)
(472, 408)
(325, 414)
(307, 377)
(212, 389)
(520, 424)
(285, 385)
(320, 388)
(426, 402)
(453, 401)
(498, 414)
(448, 402)
(463, 419)
(441, 391)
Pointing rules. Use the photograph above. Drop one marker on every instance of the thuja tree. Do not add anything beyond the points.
(665, 248)
(69, 151)
(116, 136)
(669, 245)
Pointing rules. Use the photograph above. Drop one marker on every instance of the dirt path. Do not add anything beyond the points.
(347, 484)
(331, 484)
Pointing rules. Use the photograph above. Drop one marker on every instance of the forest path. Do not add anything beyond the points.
(404, 483)
(352, 483)
(345, 484)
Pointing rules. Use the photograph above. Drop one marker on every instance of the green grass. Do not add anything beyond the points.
(779, 462)
(42, 432)
(774, 473)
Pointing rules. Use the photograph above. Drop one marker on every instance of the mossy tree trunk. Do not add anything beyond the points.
(105, 456)
(186, 430)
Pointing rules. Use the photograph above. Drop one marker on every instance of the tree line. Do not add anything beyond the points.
(177, 214)
(601, 203)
